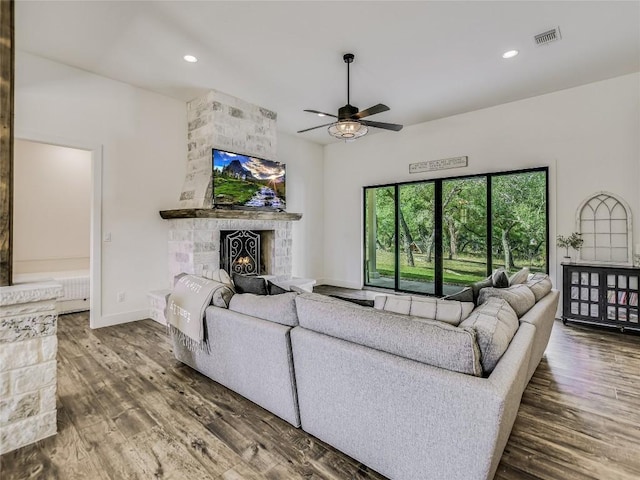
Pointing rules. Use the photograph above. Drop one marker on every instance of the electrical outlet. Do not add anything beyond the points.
(107, 237)
(121, 297)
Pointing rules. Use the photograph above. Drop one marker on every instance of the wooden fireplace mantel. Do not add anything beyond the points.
(229, 214)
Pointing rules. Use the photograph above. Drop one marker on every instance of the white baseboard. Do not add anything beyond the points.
(157, 320)
(118, 318)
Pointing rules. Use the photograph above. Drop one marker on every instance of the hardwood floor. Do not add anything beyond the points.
(127, 409)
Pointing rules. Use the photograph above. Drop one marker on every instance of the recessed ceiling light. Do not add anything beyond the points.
(321, 115)
(510, 54)
(190, 58)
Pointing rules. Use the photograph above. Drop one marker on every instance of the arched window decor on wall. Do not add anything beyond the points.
(604, 221)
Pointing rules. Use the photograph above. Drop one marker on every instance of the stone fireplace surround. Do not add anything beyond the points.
(194, 238)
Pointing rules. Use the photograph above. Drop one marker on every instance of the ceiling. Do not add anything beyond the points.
(425, 60)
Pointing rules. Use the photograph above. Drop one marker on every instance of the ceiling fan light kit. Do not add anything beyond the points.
(348, 129)
(349, 124)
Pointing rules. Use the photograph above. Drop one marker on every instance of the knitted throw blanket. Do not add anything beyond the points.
(185, 310)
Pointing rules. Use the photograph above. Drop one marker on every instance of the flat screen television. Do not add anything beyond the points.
(247, 182)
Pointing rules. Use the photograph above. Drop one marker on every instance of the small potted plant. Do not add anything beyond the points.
(573, 241)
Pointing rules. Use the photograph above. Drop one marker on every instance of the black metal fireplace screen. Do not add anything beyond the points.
(240, 252)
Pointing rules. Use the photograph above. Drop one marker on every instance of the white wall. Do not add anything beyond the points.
(52, 207)
(143, 139)
(305, 192)
(588, 136)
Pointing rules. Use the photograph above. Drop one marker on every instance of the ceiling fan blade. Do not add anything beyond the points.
(321, 113)
(386, 126)
(313, 128)
(379, 108)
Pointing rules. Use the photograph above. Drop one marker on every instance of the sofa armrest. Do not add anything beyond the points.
(542, 317)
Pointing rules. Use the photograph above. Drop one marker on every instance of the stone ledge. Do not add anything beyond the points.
(29, 293)
(229, 214)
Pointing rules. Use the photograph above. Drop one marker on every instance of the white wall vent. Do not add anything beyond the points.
(548, 36)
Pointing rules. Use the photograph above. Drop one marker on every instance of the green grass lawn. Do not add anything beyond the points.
(460, 271)
(239, 191)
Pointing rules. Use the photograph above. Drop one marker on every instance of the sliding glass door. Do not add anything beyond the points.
(519, 221)
(464, 232)
(416, 222)
(438, 236)
(380, 237)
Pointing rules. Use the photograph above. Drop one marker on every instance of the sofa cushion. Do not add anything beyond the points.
(393, 303)
(449, 311)
(495, 324)
(519, 297)
(426, 341)
(250, 284)
(275, 308)
(519, 277)
(540, 285)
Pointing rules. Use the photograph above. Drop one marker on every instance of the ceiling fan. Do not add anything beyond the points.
(349, 124)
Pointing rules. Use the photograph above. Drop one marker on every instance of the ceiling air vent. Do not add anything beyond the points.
(548, 36)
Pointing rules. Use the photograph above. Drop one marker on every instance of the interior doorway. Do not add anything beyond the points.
(56, 220)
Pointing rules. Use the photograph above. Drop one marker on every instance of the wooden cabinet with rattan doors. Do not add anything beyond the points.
(602, 295)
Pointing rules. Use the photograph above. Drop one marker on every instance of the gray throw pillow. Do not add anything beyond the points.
(500, 279)
(495, 324)
(275, 289)
(519, 297)
(250, 284)
(476, 287)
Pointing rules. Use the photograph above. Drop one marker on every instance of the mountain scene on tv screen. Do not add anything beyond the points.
(239, 180)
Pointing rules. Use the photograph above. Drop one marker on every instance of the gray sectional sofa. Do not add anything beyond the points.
(411, 397)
